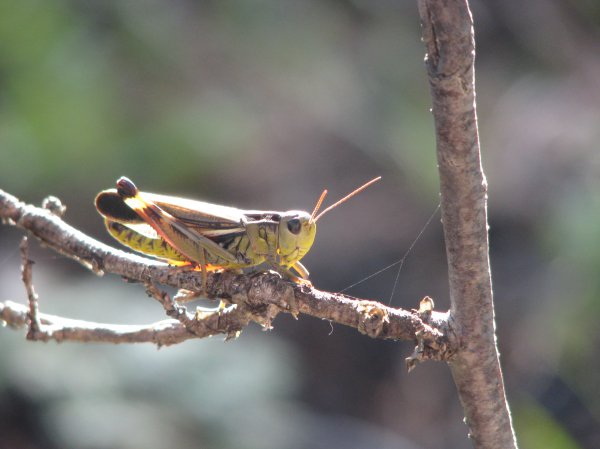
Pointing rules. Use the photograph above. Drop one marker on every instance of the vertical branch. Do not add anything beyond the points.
(447, 27)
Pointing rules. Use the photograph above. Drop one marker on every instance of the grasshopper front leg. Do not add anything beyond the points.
(303, 272)
(287, 273)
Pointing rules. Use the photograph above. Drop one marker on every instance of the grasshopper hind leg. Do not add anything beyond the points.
(150, 246)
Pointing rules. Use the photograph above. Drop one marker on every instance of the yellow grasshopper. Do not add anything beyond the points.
(209, 235)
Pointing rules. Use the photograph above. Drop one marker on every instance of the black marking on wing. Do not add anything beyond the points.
(111, 205)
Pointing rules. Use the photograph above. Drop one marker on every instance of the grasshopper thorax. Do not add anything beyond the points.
(295, 236)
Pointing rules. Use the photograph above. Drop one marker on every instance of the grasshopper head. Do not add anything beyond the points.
(296, 235)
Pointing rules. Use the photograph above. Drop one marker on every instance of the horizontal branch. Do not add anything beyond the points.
(259, 296)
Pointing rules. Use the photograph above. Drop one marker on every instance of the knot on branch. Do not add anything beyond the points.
(432, 343)
(373, 319)
(54, 205)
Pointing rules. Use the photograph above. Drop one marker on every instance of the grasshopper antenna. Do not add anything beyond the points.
(318, 205)
(337, 203)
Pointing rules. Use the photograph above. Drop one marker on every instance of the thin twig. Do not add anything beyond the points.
(35, 327)
(161, 333)
(229, 321)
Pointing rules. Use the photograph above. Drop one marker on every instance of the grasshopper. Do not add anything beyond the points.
(211, 236)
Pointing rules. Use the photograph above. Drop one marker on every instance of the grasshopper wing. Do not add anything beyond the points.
(186, 225)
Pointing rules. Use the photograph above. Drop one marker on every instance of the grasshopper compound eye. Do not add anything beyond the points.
(294, 226)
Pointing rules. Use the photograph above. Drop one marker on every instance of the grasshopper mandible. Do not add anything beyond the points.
(208, 235)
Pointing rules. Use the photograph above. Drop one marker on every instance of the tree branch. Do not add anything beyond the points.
(258, 297)
(162, 333)
(447, 28)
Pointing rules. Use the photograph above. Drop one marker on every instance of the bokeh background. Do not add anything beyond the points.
(261, 105)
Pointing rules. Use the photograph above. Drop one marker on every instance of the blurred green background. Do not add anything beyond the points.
(261, 105)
